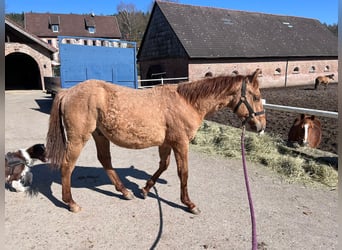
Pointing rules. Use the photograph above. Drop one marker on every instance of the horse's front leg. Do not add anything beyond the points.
(164, 154)
(181, 155)
(103, 155)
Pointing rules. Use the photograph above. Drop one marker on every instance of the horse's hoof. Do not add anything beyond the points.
(129, 196)
(143, 193)
(75, 208)
(195, 210)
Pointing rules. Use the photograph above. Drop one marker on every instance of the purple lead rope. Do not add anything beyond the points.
(251, 208)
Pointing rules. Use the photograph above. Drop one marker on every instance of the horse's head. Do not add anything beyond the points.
(248, 104)
(306, 130)
(331, 76)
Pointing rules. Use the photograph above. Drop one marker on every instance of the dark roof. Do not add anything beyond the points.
(206, 32)
(72, 25)
(15, 33)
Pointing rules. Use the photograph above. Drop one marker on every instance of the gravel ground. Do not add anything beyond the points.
(288, 216)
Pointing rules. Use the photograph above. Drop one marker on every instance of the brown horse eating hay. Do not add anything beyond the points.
(167, 116)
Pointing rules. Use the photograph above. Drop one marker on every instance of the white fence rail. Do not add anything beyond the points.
(161, 80)
(316, 112)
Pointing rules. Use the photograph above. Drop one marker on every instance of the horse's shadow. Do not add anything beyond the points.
(309, 88)
(44, 105)
(91, 178)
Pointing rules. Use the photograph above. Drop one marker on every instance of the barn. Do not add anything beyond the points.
(27, 58)
(195, 42)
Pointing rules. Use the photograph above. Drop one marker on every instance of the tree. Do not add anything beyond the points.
(132, 23)
(333, 28)
(17, 18)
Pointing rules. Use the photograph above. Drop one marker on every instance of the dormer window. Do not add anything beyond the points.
(55, 28)
(54, 22)
(90, 24)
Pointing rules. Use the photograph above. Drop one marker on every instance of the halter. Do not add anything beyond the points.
(14, 161)
(243, 100)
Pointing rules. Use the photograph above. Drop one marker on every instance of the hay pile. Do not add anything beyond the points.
(271, 151)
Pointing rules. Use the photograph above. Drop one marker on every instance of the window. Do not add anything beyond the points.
(91, 29)
(312, 69)
(327, 68)
(235, 72)
(296, 70)
(277, 71)
(208, 74)
(49, 41)
(55, 28)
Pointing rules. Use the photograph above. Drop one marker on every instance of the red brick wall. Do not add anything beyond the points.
(270, 78)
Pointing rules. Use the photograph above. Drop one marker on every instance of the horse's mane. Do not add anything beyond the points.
(216, 86)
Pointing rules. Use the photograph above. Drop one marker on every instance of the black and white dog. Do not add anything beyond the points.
(17, 166)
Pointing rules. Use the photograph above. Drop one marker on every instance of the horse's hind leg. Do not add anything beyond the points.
(103, 155)
(164, 154)
(72, 153)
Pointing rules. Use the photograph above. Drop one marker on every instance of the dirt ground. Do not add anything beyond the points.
(288, 216)
(279, 122)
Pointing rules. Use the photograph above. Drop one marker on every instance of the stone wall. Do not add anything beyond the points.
(41, 57)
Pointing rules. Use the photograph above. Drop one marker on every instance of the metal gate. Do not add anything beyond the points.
(85, 58)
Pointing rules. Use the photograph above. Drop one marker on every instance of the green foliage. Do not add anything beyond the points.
(269, 151)
(333, 28)
(132, 23)
(17, 18)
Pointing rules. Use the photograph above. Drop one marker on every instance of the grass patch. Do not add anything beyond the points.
(268, 150)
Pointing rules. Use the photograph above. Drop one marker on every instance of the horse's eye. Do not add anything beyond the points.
(256, 98)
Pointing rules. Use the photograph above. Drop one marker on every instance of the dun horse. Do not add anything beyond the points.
(306, 130)
(323, 80)
(167, 116)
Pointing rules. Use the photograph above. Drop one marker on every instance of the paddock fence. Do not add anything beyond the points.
(161, 81)
(316, 112)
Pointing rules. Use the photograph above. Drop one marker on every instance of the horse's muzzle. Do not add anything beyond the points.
(258, 126)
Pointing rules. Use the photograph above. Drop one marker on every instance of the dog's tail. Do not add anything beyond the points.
(56, 138)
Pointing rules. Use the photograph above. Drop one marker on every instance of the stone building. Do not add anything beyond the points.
(27, 58)
(31, 53)
(194, 42)
(48, 26)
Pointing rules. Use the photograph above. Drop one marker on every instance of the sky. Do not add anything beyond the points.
(325, 11)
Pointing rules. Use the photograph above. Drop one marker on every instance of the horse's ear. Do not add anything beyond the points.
(312, 117)
(302, 116)
(255, 75)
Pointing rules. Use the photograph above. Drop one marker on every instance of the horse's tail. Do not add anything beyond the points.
(316, 83)
(56, 139)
